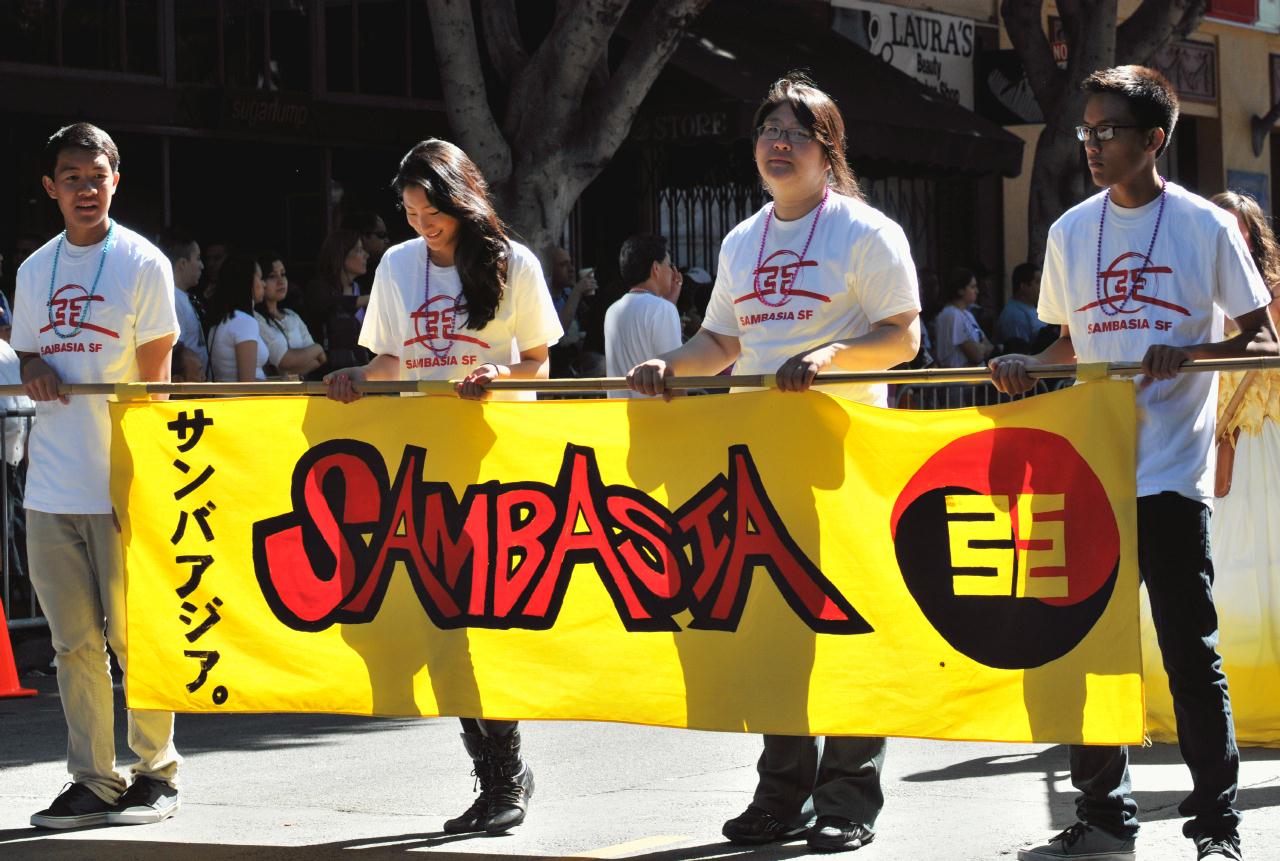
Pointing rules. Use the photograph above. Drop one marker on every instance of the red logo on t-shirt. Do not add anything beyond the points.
(69, 312)
(435, 327)
(1124, 283)
(776, 280)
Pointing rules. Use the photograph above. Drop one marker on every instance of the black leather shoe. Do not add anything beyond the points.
(834, 834)
(754, 827)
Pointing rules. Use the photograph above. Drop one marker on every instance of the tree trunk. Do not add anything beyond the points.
(566, 114)
(1059, 177)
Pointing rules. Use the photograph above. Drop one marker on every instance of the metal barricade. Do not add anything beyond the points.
(26, 612)
(950, 396)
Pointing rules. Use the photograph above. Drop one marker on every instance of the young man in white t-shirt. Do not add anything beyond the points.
(817, 280)
(94, 305)
(1139, 272)
(644, 322)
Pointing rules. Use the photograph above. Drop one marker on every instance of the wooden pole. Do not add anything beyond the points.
(606, 384)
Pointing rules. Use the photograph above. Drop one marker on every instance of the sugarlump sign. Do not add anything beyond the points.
(937, 50)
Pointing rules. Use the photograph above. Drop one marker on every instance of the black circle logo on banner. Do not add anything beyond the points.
(1009, 545)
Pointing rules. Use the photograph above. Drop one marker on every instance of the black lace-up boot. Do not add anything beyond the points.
(473, 819)
(512, 785)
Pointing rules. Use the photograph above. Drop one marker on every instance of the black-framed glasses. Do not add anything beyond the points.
(1101, 132)
(771, 132)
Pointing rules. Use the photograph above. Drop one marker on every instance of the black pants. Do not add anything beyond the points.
(802, 777)
(1173, 559)
(488, 728)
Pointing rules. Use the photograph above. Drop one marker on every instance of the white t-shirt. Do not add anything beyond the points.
(1199, 261)
(638, 327)
(955, 326)
(15, 427)
(282, 335)
(223, 338)
(429, 334)
(133, 305)
(190, 334)
(857, 272)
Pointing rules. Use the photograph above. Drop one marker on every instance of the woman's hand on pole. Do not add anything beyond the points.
(650, 378)
(473, 385)
(340, 385)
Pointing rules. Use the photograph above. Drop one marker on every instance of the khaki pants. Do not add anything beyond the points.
(78, 573)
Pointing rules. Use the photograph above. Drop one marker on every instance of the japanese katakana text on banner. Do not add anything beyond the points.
(761, 562)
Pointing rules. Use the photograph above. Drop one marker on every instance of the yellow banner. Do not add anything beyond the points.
(762, 562)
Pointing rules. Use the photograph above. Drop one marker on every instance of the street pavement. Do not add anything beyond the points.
(325, 787)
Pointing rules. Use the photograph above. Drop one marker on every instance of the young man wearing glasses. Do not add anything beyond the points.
(1139, 272)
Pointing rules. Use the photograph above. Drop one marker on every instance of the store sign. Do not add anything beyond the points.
(267, 112)
(689, 125)
(937, 50)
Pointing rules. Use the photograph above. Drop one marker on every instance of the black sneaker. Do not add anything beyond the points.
(755, 827)
(835, 833)
(1227, 846)
(148, 800)
(77, 807)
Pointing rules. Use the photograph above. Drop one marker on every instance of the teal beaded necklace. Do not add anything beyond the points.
(93, 291)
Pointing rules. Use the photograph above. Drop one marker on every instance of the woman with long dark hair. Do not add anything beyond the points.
(844, 272)
(290, 347)
(237, 352)
(335, 303)
(462, 295)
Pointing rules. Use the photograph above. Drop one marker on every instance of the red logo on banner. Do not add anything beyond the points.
(1008, 543)
(501, 556)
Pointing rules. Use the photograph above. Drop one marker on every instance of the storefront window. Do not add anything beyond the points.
(380, 48)
(196, 47)
(116, 36)
(265, 45)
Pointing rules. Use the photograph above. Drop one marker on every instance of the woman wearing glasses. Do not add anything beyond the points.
(460, 300)
(816, 280)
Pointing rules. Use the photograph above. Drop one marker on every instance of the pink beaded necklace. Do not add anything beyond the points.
(768, 218)
(1146, 260)
(426, 300)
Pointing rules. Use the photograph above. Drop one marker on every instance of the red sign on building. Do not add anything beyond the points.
(1240, 11)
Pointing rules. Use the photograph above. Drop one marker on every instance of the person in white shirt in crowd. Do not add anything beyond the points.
(237, 352)
(644, 322)
(959, 340)
(93, 305)
(1018, 328)
(184, 254)
(1143, 271)
(290, 347)
(816, 280)
(460, 299)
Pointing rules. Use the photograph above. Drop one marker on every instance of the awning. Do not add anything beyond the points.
(739, 48)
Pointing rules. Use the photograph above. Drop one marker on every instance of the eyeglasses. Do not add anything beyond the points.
(771, 132)
(1102, 133)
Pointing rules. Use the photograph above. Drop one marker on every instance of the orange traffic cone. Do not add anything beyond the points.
(9, 686)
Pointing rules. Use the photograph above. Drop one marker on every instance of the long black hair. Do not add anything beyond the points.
(233, 290)
(455, 186)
